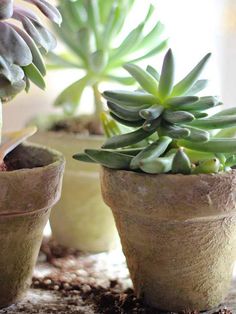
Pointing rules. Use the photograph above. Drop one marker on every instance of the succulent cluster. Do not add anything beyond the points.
(171, 127)
(20, 56)
(92, 30)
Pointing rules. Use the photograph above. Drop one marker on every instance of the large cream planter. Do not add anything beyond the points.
(80, 219)
(178, 234)
(26, 197)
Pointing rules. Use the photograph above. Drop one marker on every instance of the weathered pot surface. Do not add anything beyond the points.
(178, 234)
(26, 197)
(80, 219)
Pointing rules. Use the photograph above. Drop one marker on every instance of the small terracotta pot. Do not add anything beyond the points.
(26, 197)
(178, 234)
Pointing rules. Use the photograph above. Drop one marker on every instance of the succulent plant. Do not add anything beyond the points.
(172, 130)
(91, 29)
(21, 60)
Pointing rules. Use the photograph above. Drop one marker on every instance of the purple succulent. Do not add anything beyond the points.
(21, 59)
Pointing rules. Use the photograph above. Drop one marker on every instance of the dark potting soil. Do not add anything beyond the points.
(90, 281)
(85, 125)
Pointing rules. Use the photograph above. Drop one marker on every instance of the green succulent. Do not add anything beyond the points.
(172, 130)
(91, 30)
(21, 60)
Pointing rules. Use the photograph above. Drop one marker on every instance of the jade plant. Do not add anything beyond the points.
(170, 128)
(21, 60)
(92, 31)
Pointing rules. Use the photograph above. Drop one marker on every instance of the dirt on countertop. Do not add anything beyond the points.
(87, 280)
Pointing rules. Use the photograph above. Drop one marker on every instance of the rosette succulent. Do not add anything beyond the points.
(21, 49)
(92, 30)
(172, 129)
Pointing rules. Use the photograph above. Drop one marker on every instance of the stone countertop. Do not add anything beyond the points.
(90, 284)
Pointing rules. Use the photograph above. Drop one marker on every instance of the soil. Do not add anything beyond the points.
(86, 125)
(90, 281)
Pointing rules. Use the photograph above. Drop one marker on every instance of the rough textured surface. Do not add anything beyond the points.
(178, 234)
(36, 184)
(71, 282)
(88, 224)
(26, 196)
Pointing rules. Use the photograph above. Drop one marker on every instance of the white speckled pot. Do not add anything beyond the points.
(26, 198)
(81, 219)
(178, 234)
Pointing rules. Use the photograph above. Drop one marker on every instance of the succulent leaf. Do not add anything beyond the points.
(145, 80)
(171, 128)
(167, 76)
(183, 86)
(181, 163)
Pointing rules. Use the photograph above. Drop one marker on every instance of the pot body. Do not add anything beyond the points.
(26, 197)
(80, 220)
(178, 234)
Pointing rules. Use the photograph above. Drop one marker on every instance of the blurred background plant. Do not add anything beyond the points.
(92, 31)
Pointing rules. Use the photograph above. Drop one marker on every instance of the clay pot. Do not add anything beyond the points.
(26, 197)
(178, 235)
(80, 220)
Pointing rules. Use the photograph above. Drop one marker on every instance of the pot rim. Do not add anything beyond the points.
(58, 159)
(200, 175)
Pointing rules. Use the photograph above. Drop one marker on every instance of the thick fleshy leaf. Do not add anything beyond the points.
(48, 10)
(34, 75)
(13, 73)
(145, 80)
(127, 139)
(215, 145)
(110, 159)
(136, 98)
(35, 29)
(6, 9)
(167, 75)
(215, 122)
(123, 113)
(185, 84)
(13, 48)
(36, 54)
(197, 87)
(8, 90)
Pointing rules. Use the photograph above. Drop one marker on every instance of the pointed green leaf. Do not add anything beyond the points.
(215, 122)
(175, 102)
(167, 75)
(110, 159)
(34, 75)
(145, 80)
(215, 145)
(197, 87)
(185, 84)
(136, 98)
(127, 139)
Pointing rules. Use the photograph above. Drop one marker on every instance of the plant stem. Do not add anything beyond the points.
(97, 101)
